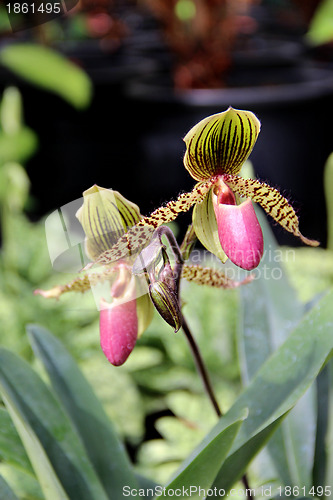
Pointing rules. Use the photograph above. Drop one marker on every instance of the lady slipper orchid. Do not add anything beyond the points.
(223, 217)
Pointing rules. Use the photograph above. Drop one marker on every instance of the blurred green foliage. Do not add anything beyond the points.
(160, 376)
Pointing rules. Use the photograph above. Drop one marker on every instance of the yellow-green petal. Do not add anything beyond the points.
(105, 216)
(220, 144)
(271, 201)
(205, 226)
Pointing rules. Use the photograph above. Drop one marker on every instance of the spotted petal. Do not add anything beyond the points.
(220, 143)
(139, 236)
(271, 201)
(105, 216)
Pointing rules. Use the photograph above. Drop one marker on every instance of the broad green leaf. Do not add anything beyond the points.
(329, 441)
(49, 70)
(11, 448)
(17, 147)
(105, 216)
(271, 200)
(11, 111)
(220, 144)
(236, 464)
(54, 449)
(328, 186)
(320, 28)
(104, 449)
(281, 381)
(270, 309)
(5, 491)
(202, 469)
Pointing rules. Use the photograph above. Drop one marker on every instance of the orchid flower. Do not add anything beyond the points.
(224, 219)
(132, 294)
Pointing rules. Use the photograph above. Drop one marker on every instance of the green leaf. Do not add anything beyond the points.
(5, 491)
(220, 144)
(286, 375)
(105, 216)
(55, 451)
(205, 226)
(236, 464)
(104, 449)
(49, 70)
(11, 111)
(11, 448)
(202, 469)
(270, 309)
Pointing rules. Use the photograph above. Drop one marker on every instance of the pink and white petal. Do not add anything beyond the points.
(240, 234)
(271, 201)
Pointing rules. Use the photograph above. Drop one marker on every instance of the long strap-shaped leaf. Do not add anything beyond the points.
(138, 236)
(271, 201)
(211, 277)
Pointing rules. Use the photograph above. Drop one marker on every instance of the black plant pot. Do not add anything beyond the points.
(291, 150)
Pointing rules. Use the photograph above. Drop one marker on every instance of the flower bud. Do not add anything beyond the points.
(118, 326)
(166, 303)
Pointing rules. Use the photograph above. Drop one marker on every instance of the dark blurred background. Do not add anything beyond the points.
(158, 67)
